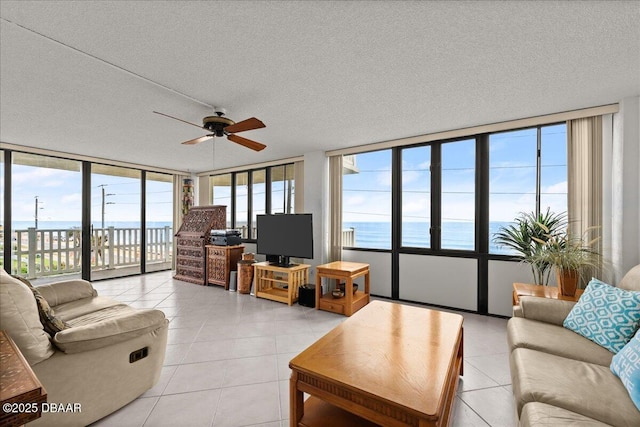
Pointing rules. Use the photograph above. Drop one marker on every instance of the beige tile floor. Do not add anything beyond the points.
(228, 353)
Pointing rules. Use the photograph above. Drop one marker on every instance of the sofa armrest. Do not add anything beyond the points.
(66, 291)
(545, 309)
(110, 331)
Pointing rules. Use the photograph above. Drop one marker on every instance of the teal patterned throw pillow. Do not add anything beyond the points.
(626, 365)
(606, 315)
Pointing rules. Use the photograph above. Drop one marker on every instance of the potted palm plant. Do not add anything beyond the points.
(526, 237)
(569, 256)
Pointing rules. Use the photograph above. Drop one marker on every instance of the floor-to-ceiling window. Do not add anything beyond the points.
(116, 231)
(436, 205)
(46, 215)
(159, 221)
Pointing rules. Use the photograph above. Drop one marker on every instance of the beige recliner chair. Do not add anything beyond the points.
(107, 355)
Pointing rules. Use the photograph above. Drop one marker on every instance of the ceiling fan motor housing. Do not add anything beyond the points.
(216, 124)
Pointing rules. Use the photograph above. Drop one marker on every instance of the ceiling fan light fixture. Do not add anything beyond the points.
(216, 124)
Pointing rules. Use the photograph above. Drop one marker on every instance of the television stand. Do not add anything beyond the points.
(278, 283)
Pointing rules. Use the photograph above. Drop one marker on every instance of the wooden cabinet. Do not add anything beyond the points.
(18, 386)
(342, 271)
(279, 283)
(192, 238)
(221, 261)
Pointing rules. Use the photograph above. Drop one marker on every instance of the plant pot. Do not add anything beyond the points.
(567, 282)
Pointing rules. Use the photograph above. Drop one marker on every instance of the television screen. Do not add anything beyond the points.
(285, 235)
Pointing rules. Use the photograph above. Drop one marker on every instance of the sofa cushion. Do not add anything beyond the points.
(584, 388)
(542, 414)
(606, 315)
(552, 339)
(108, 327)
(66, 291)
(626, 365)
(19, 317)
(52, 324)
(82, 307)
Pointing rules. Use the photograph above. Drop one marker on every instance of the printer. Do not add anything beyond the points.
(225, 237)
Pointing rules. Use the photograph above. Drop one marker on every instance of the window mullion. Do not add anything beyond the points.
(538, 168)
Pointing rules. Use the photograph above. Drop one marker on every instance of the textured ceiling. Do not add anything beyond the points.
(84, 77)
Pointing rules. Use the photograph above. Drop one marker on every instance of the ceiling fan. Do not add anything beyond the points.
(219, 126)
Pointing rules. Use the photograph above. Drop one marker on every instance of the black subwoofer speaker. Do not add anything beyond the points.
(307, 295)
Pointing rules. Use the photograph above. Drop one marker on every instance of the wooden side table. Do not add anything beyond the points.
(347, 272)
(279, 283)
(221, 261)
(552, 292)
(19, 386)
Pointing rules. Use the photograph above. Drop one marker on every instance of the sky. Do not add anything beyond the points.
(59, 196)
(512, 158)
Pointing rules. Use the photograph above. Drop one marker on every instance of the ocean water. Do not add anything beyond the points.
(455, 235)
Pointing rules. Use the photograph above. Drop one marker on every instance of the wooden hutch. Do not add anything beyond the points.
(191, 239)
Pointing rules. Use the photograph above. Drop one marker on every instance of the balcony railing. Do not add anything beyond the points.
(42, 252)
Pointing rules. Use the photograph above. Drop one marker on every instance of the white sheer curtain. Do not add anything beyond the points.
(335, 208)
(584, 149)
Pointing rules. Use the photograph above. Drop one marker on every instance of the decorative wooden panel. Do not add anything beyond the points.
(191, 239)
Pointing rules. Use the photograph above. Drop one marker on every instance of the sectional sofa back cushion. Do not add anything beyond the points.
(606, 315)
(626, 365)
(19, 317)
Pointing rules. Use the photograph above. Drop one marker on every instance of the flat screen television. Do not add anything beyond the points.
(285, 236)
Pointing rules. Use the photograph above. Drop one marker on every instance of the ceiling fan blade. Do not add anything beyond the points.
(256, 146)
(197, 140)
(244, 125)
(180, 120)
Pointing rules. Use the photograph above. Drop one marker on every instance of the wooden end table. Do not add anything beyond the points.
(347, 272)
(389, 364)
(279, 283)
(19, 386)
(552, 292)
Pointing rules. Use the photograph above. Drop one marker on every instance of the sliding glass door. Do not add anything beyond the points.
(116, 229)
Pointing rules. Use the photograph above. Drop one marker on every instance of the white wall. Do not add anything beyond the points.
(379, 269)
(451, 282)
(502, 275)
(316, 185)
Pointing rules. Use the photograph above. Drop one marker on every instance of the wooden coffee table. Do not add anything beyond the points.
(389, 364)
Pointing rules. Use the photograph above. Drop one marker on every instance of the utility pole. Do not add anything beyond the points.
(103, 201)
(37, 208)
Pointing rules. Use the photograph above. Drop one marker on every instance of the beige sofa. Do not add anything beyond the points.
(559, 377)
(89, 361)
